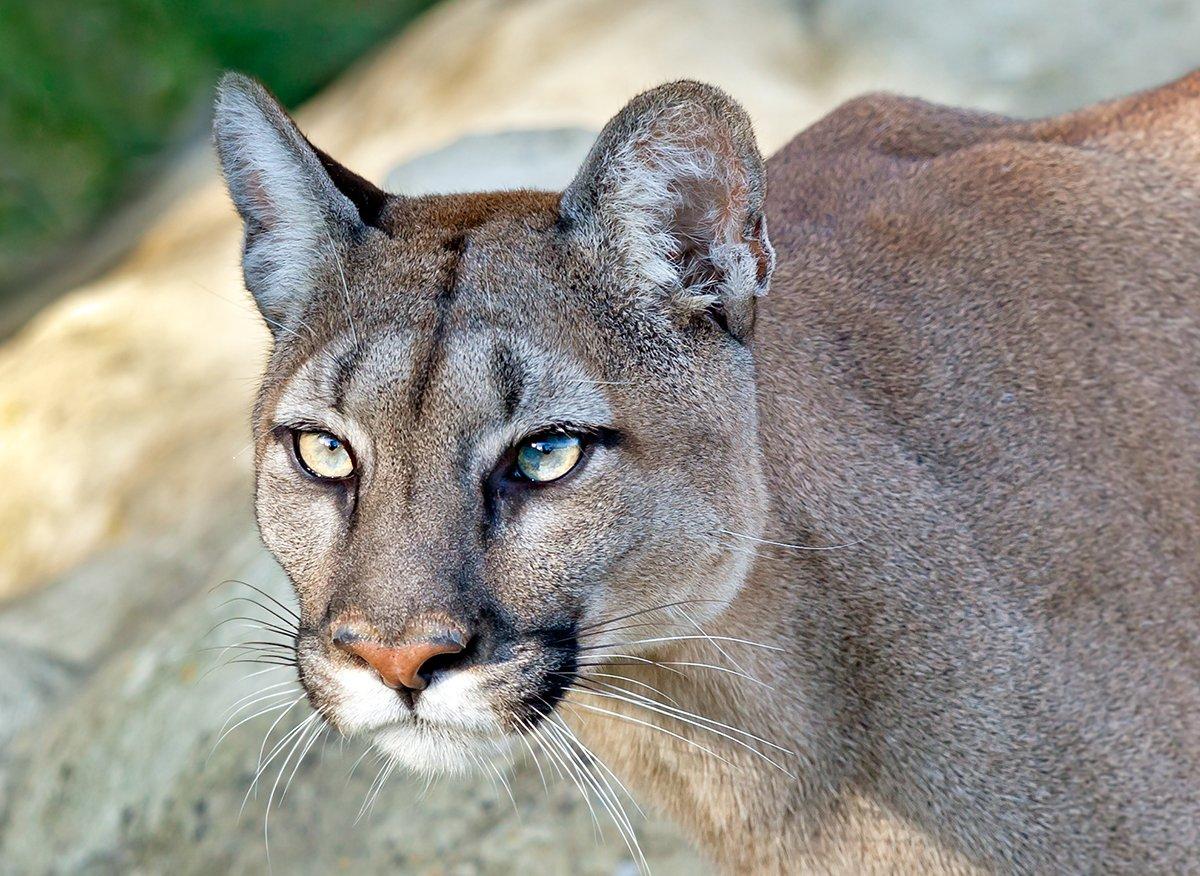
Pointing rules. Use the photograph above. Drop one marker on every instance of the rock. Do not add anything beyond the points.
(532, 159)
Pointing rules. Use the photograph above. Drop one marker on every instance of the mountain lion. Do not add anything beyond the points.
(894, 568)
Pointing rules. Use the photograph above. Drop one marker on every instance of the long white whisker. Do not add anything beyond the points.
(603, 660)
(318, 732)
(503, 784)
(604, 792)
(626, 678)
(612, 620)
(262, 765)
(615, 692)
(354, 766)
(661, 639)
(385, 771)
(577, 741)
(266, 710)
(525, 728)
(652, 726)
(716, 644)
(337, 260)
(550, 745)
(298, 740)
(784, 544)
(270, 729)
(261, 692)
(605, 657)
(695, 721)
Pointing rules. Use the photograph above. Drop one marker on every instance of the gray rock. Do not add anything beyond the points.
(532, 159)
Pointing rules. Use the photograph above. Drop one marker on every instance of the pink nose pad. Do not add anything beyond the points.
(399, 666)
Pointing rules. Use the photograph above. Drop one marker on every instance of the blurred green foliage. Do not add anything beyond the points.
(93, 93)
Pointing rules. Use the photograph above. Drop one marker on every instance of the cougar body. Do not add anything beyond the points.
(904, 551)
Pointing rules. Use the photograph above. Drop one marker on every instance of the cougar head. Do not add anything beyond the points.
(494, 425)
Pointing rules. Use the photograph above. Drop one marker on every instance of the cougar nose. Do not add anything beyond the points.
(400, 665)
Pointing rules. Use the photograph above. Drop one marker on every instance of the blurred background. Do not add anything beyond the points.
(129, 354)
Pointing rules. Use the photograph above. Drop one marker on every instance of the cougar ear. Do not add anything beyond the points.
(301, 208)
(675, 185)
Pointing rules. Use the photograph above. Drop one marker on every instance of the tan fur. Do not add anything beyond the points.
(956, 491)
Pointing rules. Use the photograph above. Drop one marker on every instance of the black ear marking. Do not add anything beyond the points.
(366, 197)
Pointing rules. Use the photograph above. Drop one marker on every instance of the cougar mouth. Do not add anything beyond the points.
(462, 711)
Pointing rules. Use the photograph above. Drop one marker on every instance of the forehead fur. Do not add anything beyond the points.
(498, 269)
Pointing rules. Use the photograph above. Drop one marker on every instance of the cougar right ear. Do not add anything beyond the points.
(675, 186)
(301, 209)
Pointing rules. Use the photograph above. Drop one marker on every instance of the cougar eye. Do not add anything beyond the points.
(548, 458)
(324, 455)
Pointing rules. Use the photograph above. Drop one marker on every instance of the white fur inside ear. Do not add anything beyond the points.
(651, 175)
(276, 181)
(674, 191)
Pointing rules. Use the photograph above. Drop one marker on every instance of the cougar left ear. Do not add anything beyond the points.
(301, 209)
(675, 184)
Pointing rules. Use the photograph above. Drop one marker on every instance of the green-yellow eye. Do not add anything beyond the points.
(547, 459)
(324, 455)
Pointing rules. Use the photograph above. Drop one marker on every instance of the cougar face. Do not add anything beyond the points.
(493, 426)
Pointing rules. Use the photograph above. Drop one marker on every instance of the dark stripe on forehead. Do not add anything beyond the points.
(344, 366)
(508, 376)
(435, 350)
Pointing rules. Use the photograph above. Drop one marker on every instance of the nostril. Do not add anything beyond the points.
(447, 659)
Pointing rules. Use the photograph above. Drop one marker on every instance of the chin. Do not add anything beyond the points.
(435, 749)
(453, 724)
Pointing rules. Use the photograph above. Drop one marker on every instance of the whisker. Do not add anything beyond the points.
(337, 259)
(289, 626)
(262, 748)
(641, 611)
(287, 609)
(605, 662)
(626, 678)
(264, 661)
(633, 720)
(503, 784)
(784, 544)
(552, 748)
(354, 766)
(298, 740)
(662, 639)
(318, 732)
(668, 664)
(577, 741)
(258, 622)
(524, 727)
(605, 793)
(256, 693)
(260, 713)
(385, 773)
(685, 717)
(279, 746)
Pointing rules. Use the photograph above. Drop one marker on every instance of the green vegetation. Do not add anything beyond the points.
(93, 94)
